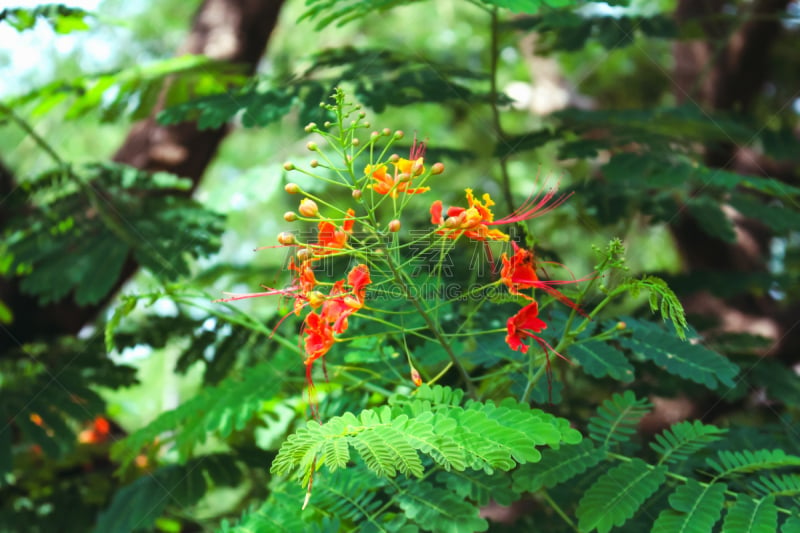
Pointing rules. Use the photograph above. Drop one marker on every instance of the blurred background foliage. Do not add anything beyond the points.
(590, 94)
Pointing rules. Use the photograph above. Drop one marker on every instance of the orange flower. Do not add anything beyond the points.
(330, 238)
(519, 272)
(472, 221)
(404, 171)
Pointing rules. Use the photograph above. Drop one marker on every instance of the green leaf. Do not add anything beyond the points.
(138, 505)
(479, 436)
(684, 439)
(685, 359)
(220, 409)
(439, 510)
(731, 463)
(63, 19)
(694, 508)
(711, 218)
(778, 485)
(529, 6)
(751, 516)
(557, 466)
(791, 525)
(617, 495)
(617, 418)
(600, 359)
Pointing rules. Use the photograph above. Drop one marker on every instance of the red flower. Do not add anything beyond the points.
(523, 325)
(519, 272)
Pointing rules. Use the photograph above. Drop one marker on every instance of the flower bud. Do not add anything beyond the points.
(310, 127)
(312, 146)
(314, 163)
(355, 142)
(308, 208)
(437, 168)
(399, 134)
(417, 167)
(386, 132)
(405, 177)
(621, 325)
(327, 124)
(292, 188)
(452, 222)
(394, 226)
(288, 166)
(315, 299)
(286, 238)
(367, 124)
(394, 158)
(374, 135)
(357, 194)
(290, 216)
(304, 254)
(415, 377)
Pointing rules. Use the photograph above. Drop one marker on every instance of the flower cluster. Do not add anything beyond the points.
(381, 189)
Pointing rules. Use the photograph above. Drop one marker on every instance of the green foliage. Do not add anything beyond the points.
(558, 466)
(220, 409)
(477, 436)
(102, 214)
(618, 494)
(131, 93)
(684, 439)
(693, 508)
(62, 18)
(685, 359)
(616, 419)
(138, 505)
(601, 359)
(751, 516)
(380, 78)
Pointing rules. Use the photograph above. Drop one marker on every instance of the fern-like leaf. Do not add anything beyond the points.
(618, 494)
(600, 359)
(732, 463)
(791, 525)
(778, 485)
(557, 466)
(751, 516)
(617, 418)
(220, 409)
(687, 360)
(480, 436)
(694, 508)
(683, 439)
(436, 509)
(480, 487)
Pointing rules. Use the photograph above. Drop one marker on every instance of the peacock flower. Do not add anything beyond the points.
(330, 237)
(519, 273)
(524, 325)
(472, 221)
(405, 170)
(475, 221)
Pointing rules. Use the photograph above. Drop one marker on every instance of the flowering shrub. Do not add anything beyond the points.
(385, 188)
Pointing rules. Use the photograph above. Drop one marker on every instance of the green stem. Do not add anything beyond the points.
(494, 51)
(559, 511)
(38, 139)
(402, 280)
